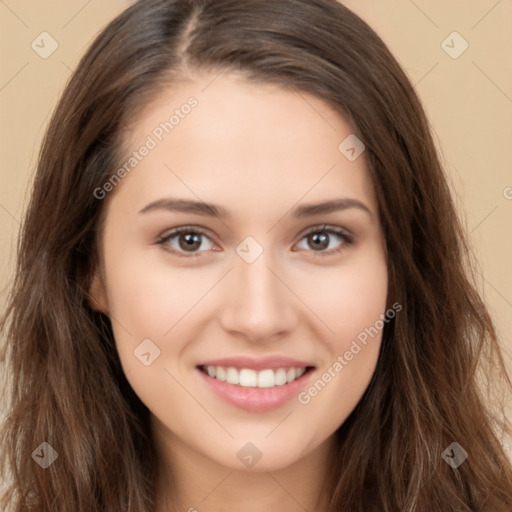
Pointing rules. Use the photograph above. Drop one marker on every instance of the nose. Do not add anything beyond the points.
(259, 305)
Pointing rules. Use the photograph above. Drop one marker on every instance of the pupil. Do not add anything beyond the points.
(192, 241)
(321, 240)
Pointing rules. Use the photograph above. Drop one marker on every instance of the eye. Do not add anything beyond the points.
(186, 239)
(320, 237)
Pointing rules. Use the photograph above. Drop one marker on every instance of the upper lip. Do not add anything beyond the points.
(262, 363)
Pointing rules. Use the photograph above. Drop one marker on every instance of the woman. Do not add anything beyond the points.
(173, 340)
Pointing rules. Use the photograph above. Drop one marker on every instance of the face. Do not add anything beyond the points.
(251, 323)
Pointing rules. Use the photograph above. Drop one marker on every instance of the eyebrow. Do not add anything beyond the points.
(212, 210)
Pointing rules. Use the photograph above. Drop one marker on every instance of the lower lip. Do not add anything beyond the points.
(256, 399)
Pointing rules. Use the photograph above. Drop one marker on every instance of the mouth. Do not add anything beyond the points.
(247, 377)
(255, 386)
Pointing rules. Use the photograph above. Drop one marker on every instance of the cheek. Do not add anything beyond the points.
(154, 308)
(351, 301)
(148, 294)
(151, 300)
(361, 300)
(349, 298)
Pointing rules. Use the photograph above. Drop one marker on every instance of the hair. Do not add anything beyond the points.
(440, 358)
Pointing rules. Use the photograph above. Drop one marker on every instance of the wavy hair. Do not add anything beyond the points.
(440, 359)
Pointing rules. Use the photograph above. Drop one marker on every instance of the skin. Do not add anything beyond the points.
(259, 151)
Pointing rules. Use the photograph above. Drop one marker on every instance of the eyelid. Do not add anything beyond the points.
(326, 227)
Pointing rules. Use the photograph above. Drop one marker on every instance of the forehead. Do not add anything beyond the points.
(223, 137)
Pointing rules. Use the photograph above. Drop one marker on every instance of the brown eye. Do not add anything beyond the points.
(189, 241)
(321, 238)
(185, 240)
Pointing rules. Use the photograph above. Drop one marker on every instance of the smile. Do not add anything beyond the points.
(246, 377)
(269, 384)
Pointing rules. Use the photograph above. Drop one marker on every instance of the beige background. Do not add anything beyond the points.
(468, 99)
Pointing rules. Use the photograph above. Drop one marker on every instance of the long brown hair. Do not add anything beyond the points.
(67, 387)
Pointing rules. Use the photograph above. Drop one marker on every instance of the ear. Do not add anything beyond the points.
(97, 294)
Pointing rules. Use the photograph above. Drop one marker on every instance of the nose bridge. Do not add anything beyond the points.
(259, 304)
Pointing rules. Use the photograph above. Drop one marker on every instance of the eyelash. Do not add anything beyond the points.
(341, 233)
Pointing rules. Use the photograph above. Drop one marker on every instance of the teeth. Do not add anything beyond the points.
(248, 378)
(251, 378)
(266, 379)
(232, 376)
(280, 377)
(220, 373)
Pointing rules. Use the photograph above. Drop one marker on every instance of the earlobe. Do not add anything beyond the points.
(97, 296)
